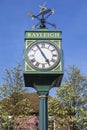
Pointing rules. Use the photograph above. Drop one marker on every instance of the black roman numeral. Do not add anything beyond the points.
(33, 60)
(43, 45)
(53, 50)
(53, 60)
(37, 64)
(33, 50)
(54, 55)
(31, 55)
(43, 66)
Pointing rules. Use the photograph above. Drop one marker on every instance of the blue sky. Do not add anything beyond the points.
(70, 17)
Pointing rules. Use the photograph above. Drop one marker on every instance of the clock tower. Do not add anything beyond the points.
(43, 61)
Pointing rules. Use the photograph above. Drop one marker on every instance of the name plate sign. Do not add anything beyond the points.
(43, 35)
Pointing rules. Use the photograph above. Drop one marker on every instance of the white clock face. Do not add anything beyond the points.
(43, 55)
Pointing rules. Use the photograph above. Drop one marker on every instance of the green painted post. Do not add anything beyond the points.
(43, 92)
(43, 112)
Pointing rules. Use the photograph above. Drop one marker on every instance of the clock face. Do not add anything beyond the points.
(43, 55)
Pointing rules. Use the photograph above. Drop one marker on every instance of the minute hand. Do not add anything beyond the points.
(47, 60)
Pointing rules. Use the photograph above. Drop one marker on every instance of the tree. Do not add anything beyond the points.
(72, 94)
(3, 117)
(18, 106)
(78, 82)
(68, 108)
(10, 90)
(59, 114)
(13, 82)
(82, 119)
(67, 96)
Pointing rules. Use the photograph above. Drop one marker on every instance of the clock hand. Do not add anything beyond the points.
(47, 60)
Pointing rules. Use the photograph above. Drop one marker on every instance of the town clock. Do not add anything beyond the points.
(43, 61)
(43, 58)
(43, 55)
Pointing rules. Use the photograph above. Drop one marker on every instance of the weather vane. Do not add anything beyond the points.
(42, 17)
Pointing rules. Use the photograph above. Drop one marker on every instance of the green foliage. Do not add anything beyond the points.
(3, 116)
(13, 82)
(68, 108)
(67, 95)
(15, 105)
(57, 109)
(73, 94)
(81, 118)
(77, 80)
(24, 107)
(59, 114)
(12, 96)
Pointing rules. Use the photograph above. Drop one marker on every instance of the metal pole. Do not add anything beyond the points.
(43, 112)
